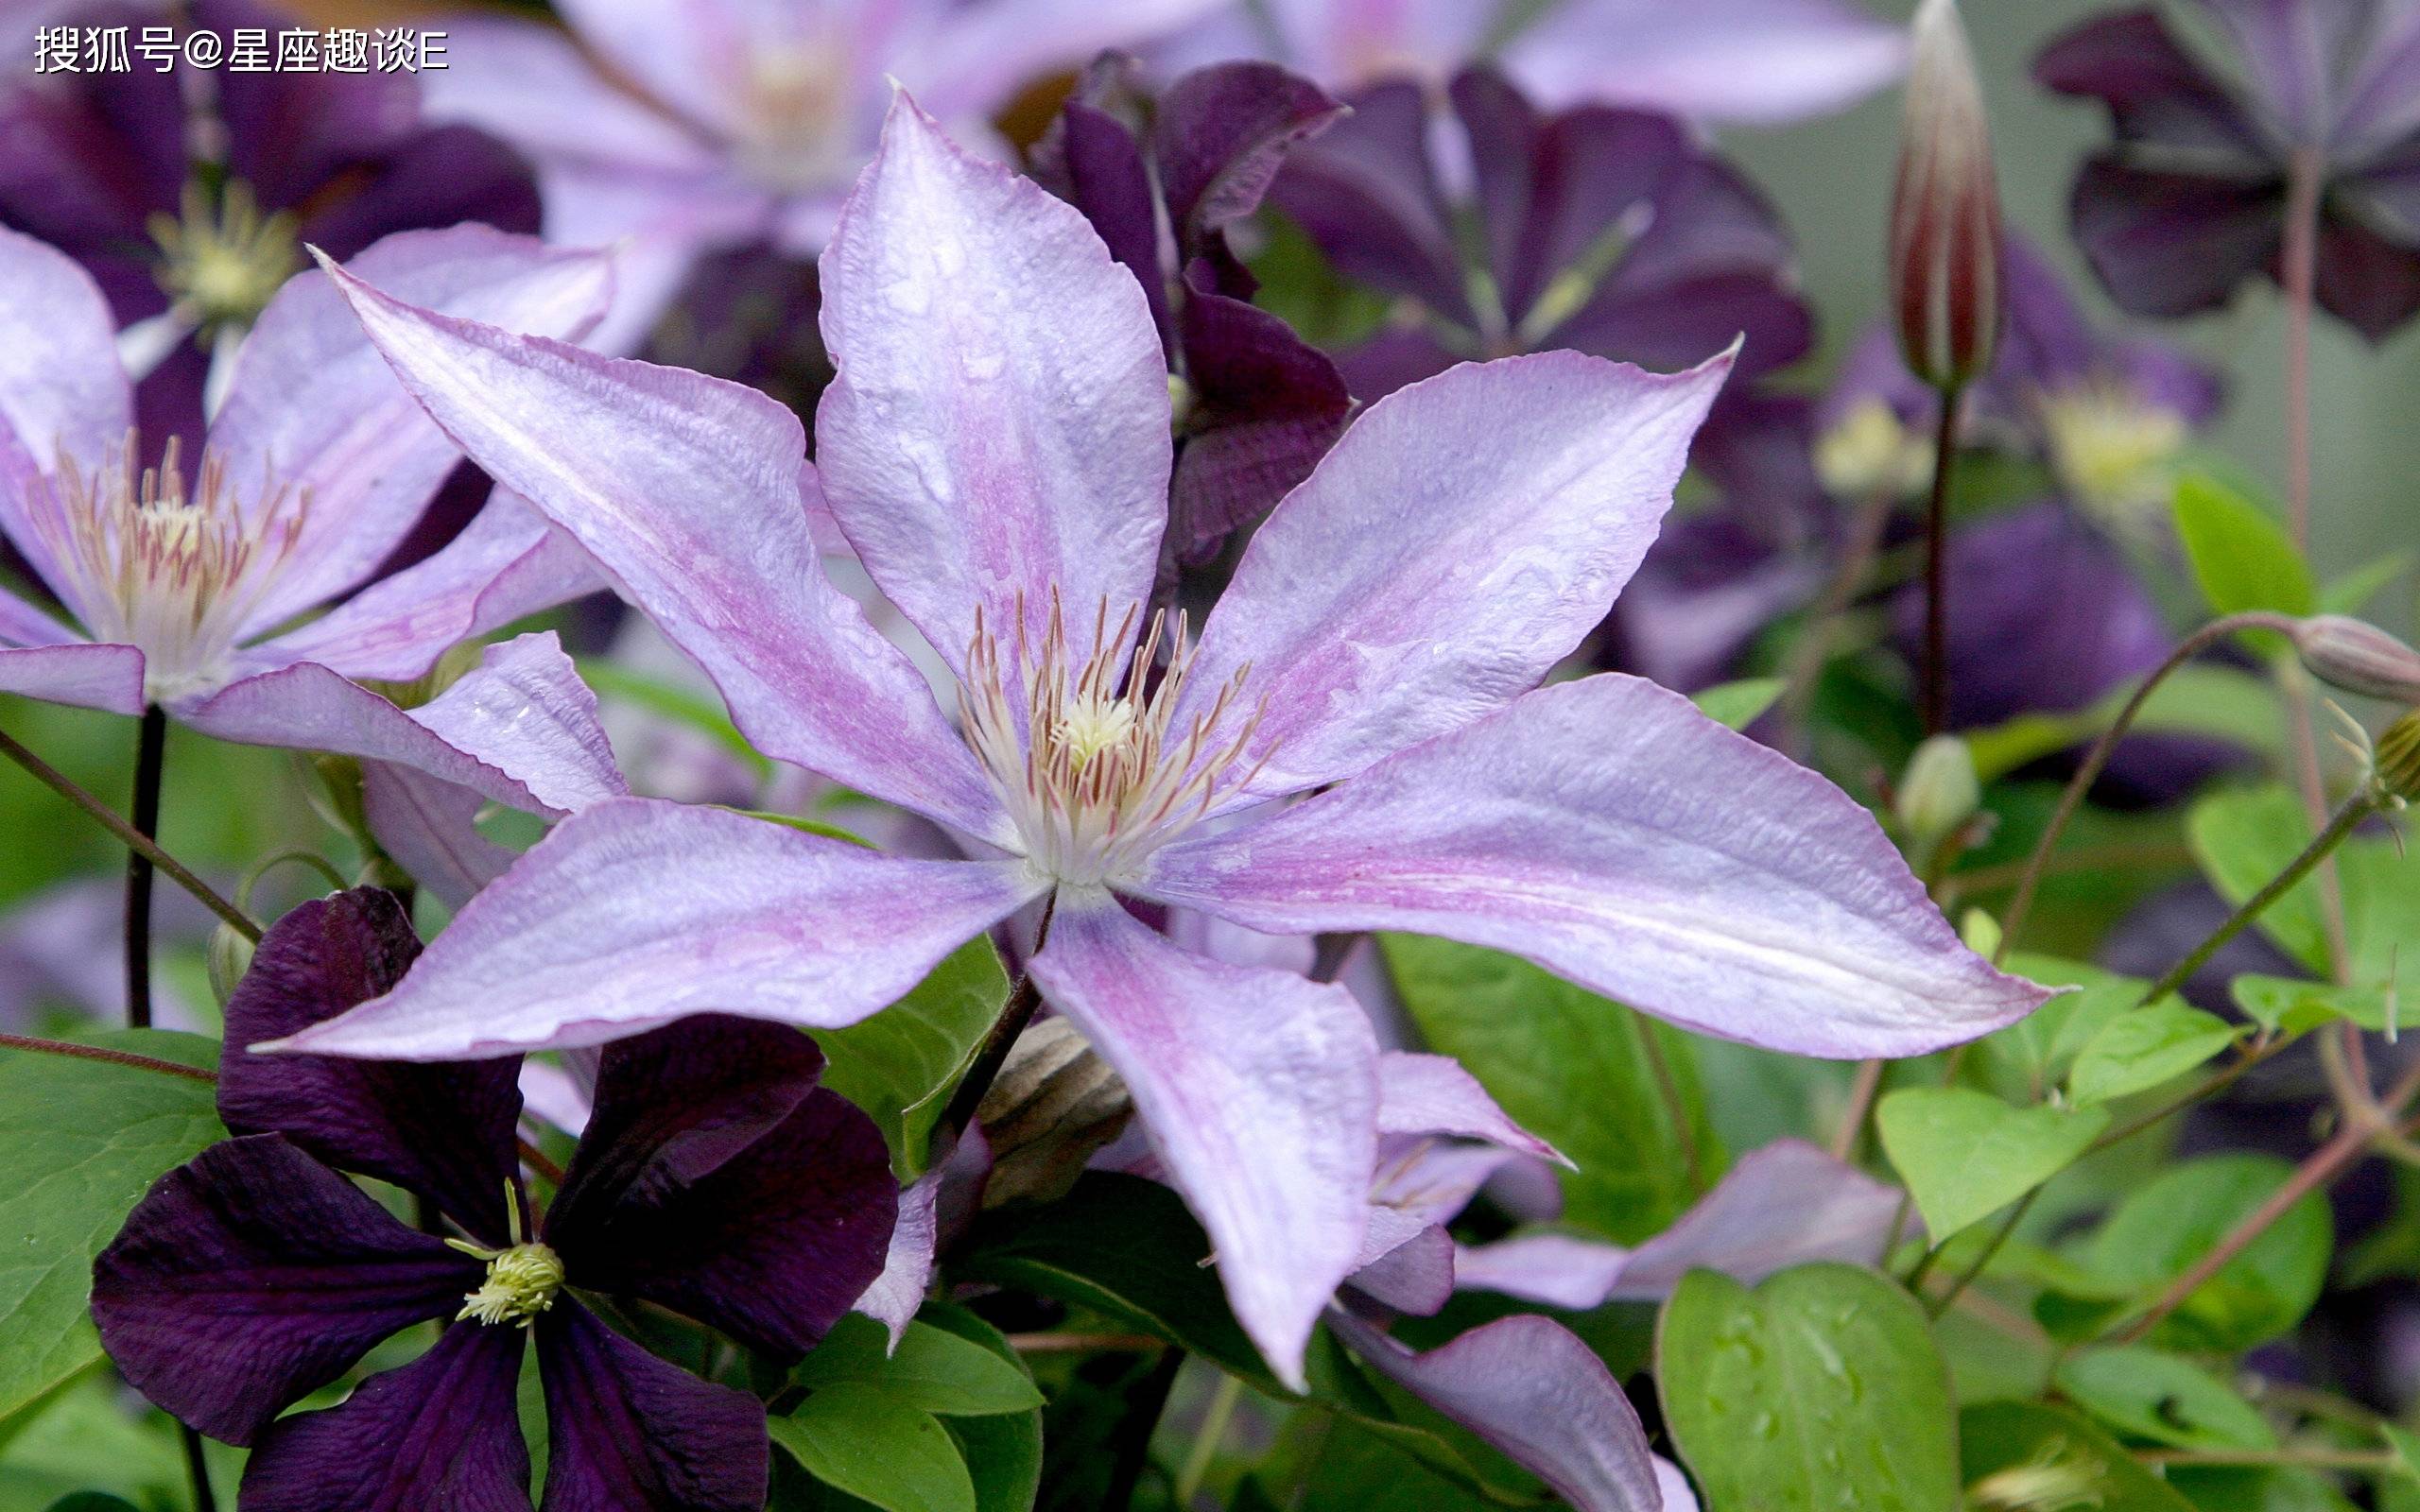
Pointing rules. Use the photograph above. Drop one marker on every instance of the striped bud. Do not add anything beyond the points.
(1055, 1103)
(1945, 211)
(2398, 758)
(2359, 658)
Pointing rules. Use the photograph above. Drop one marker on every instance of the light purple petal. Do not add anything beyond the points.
(1259, 1091)
(429, 829)
(1414, 1274)
(1554, 1269)
(693, 495)
(1460, 539)
(509, 562)
(1611, 832)
(1766, 61)
(896, 1294)
(692, 55)
(89, 677)
(1530, 1387)
(985, 51)
(1433, 1095)
(530, 85)
(62, 391)
(637, 911)
(1678, 1497)
(998, 433)
(311, 406)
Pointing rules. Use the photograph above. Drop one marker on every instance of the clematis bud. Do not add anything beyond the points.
(2398, 758)
(229, 957)
(1945, 211)
(1054, 1104)
(1939, 792)
(2359, 658)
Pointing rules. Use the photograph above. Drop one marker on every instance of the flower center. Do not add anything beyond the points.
(794, 97)
(2114, 453)
(1869, 454)
(1087, 757)
(521, 1283)
(173, 568)
(224, 265)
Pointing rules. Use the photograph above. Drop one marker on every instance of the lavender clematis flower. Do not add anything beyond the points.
(1257, 405)
(717, 1179)
(185, 576)
(1766, 61)
(722, 123)
(96, 164)
(997, 449)
(2190, 201)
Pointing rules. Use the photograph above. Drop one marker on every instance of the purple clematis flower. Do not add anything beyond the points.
(184, 577)
(98, 165)
(692, 125)
(717, 1179)
(2190, 201)
(1257, 405)
(1757, 60)
(997, 450)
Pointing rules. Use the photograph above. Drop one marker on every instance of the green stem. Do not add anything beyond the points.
(115, 1057)
(150, 757)
(2381, 1461)
(1024, 999)
(1945, 464)
(127, 835)
(1966, 1278)
(2348, 818)
(1207, 1443)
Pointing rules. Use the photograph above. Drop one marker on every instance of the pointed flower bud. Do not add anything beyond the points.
(2359, 658)
(1054, 1104)
(1945, 211)
(229, 957)
(1939, 792)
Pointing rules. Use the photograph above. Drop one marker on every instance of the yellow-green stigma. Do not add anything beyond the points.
(1869, 455)
(521, 1283)
(2114, 454)
(223, 264)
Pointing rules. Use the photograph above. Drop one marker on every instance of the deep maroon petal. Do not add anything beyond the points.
(626, 1431)
(2364, 280)
(717, 1178)
(443, 1130)
(1102, 172)
(2157, 91)
(1707, 586)
(442, 177)
(1365, 192)
(1393, 359)
(85, 161)
(2172, 244)
(441, 1434)
(1219, 137)
(251, 1275)
(290, 131)
(1266, 406)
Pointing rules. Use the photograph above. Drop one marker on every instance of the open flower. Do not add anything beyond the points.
(716, 1179)
(98, 165)
(186, 578)
(692, 125)
(997, 449)
(2189, 202)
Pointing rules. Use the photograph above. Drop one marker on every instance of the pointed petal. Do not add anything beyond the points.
(1611, 832)
(895, 1295)
(716, 1179)
(312, 406)
(636, 912)
(1414, 1274)
(1786, 1204)
(429, 828)
(627, 1430)
(508, 564)
(251, 1275)
(443, 1132)
(1219, 135)
(692, 496)
(1530, 1387)
(89, 677)
(999, 428)
(1433, 1095)
(1553, 1269)
(1460, 539)
(1764, 61)
(61, 390)
(1366, 191)
(521, 730)
(442, 1432)
(1259, 1091)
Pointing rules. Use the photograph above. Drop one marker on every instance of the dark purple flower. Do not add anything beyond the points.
(2190, 200)
(96, 164)
(1161, 178)
(716, 1180)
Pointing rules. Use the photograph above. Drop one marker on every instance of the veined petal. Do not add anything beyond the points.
(442, 1432)
(627, 1430)
(251, 1275)
(1259, 1091)
(637, 911)
(1611, 832)
(521, 730)
(999, 428)
(1433, 1095)
(692, 496)
(430, 829)
(61, 390)
(89, 677)
(1766, 61)
(312, 408)
(1458, 542)
(509, 562)
(1530, 1387)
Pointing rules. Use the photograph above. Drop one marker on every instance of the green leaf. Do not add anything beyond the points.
(1575, 1069)
(92, 1501)
(932, 1369)
(902, 1064)
(1965, 1153)
(2043, 1043)
(2352, 591)
(874, 1447)
(1822, 1377)
(2152, 1394)
(2406, 1445)
(1738, 704)
(83, 1140)
(2042, 1451)
(2242, 559)
(2160, 1230)
(2145, 1048)
(2244, 839)
(1003, 1451)
(2221, 702)
(2294, 1005)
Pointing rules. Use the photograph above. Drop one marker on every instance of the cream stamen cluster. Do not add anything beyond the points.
(176, 569)
(1087, 757)
(795, 101)
(224, 264)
